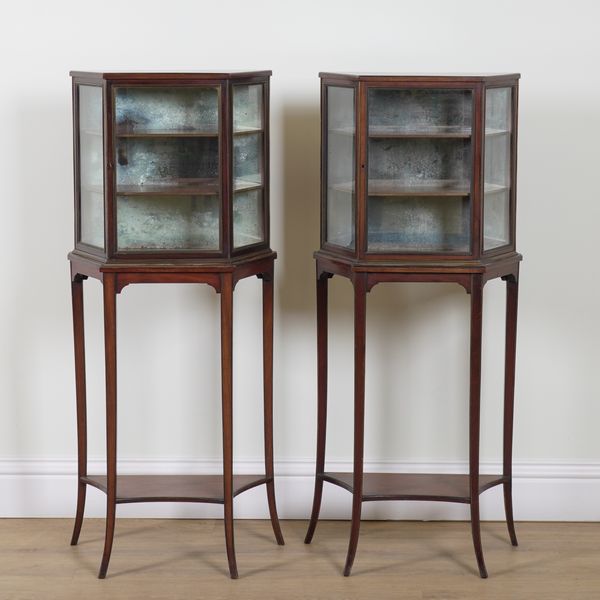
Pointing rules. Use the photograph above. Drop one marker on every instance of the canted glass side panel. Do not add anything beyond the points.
(496, 204)
(91, 170)
(247, 108)
(247, 160)
(419, 171)
(167, 168)
(183, 222)
(248, 167)
(248, 226)
(341, 180)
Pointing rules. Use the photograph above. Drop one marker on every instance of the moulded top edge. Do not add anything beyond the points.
(420, 76)
(168, 75)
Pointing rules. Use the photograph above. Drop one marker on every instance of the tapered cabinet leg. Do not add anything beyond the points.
(360, 317)
(512, 299)
(267, 280)
(110, 351)
(474, 416)
(322, 286)
(227, 411)
(80, 387)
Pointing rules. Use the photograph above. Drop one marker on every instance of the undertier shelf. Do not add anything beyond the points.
(174, 488)
(414, 486)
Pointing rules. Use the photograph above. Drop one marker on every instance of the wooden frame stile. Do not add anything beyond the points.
(221, 271)
(471, 271)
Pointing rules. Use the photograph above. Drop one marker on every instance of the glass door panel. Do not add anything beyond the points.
(496, 198)
(248, 167)
(419, 175)
(167, 171)
(341, 181)
(91, 170)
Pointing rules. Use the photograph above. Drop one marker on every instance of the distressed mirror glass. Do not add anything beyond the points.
(91, 170)
(167, 168)
(419, 170)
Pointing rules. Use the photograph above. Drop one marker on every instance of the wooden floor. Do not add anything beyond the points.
(171, 559)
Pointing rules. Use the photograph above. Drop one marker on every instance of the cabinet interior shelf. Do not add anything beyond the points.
(414, 486)
(191, 187)
(392, 131)
(167, 133)
(174, 488)
(392, 187)
(247, 130)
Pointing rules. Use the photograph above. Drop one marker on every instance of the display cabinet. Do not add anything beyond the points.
(171, 186)
(418, 184)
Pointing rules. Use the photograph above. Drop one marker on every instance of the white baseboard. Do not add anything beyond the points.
(541, 491)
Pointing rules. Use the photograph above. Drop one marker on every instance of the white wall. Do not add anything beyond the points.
(418, 338)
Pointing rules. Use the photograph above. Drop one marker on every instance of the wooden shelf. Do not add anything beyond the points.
(414, 486)
(391, 131)
(391, 187)
(174, 488)
(189, 187)
(244, 185)
(492, 132)
(166, 133)
(247, 130)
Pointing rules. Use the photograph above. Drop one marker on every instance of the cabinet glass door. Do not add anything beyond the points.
(248, 168)
(496, 196)
(419, 170)
(341, 138)
(91, 171)
(167, 168)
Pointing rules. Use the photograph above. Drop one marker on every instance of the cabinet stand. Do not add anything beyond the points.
(366, 487)
(216, 489)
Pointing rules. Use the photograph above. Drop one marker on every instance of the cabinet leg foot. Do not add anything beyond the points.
(508, 509)
(354, 532)
(81, 494)
(316, 509)
(273, 514)
(233, 572)
(476, 533)
(108, 539)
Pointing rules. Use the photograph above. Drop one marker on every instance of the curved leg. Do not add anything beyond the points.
(474, 415)
(110, 351)
(227, 408)
(360, 315)
(512, 299)
(322, 284)
(267, 279)
(79, 343)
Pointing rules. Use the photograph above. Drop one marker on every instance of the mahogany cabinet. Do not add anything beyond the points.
(418, 185)
(171, 186)
(171, 165)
